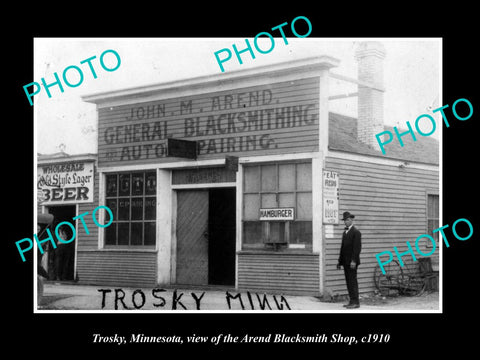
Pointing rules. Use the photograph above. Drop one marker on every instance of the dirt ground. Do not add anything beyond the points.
(427, 300)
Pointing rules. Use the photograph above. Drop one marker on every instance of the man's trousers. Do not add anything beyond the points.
(352, 283)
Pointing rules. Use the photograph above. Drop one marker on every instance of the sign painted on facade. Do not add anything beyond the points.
(265, 119)
(277, 214)
(65, 183)
(202, 176)
(330, 197)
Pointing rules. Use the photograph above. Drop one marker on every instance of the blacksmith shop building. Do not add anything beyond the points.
(252, 196)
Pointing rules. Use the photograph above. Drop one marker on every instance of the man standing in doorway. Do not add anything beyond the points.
(350, 258)
(61, 255)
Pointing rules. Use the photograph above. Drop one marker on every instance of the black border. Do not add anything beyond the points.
(411, 334)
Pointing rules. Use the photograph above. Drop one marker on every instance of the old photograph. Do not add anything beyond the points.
(295, 174)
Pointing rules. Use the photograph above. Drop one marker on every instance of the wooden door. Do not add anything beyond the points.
(192, 237)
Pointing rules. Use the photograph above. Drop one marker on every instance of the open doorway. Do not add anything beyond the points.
(221, 236)
(206, 237)
(62, 259)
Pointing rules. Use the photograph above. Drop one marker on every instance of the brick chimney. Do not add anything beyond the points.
(370, 55)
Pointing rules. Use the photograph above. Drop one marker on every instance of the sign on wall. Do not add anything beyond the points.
(266, 119)
(277, 214)
(330, 197)
(65, 183)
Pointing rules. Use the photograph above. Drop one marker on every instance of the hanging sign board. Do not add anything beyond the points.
(277, 214)
(182, 148)
(330, 197)
(231, 163)
(65, 183)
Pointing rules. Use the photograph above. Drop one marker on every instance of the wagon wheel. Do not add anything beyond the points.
(413, 285)
(389, 281)
(412, 282)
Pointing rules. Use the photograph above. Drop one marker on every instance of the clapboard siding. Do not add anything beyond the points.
(389, 204)
(291, 91)
(294, 274)
(285, 121)
(117, 268)
(89, 241)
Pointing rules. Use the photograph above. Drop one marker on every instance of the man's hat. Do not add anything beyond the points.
(347, 215)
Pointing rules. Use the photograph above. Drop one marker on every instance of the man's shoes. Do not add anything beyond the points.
(352, 306)
(347, 305)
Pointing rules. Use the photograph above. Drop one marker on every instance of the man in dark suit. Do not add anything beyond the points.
(350, 258)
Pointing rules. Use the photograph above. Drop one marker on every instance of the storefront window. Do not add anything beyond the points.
(279, 185)
(131, 197)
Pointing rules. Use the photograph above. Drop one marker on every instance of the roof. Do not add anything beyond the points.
(63, 156)
(200, 83)
(343, 137)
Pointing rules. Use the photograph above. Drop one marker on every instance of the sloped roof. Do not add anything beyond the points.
(59, 156)
(343, 137)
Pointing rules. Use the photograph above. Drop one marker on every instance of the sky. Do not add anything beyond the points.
(412, 71)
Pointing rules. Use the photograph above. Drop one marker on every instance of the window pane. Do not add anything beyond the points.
(286, 177)
(112, 205)
(111, 234)
(304, 206)
(124, 185)
(149, 233)
(269, 201)
(304, 177)
(269, 178)
(137, 184)
(123, 233)
(432, 206)
(136, 238)
(251, 206)
(252, 178)
(137, 208)
(150, 183)
(111, 185)
(150, 208)
(124, 209)
(301, 232)
(435, 206)
(432, 225)
(252, 232)
(286, 200)
(277, 231)
(429, 206)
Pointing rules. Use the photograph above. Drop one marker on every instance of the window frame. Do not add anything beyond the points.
(435, 235)
(144, 196)
(266, 226)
